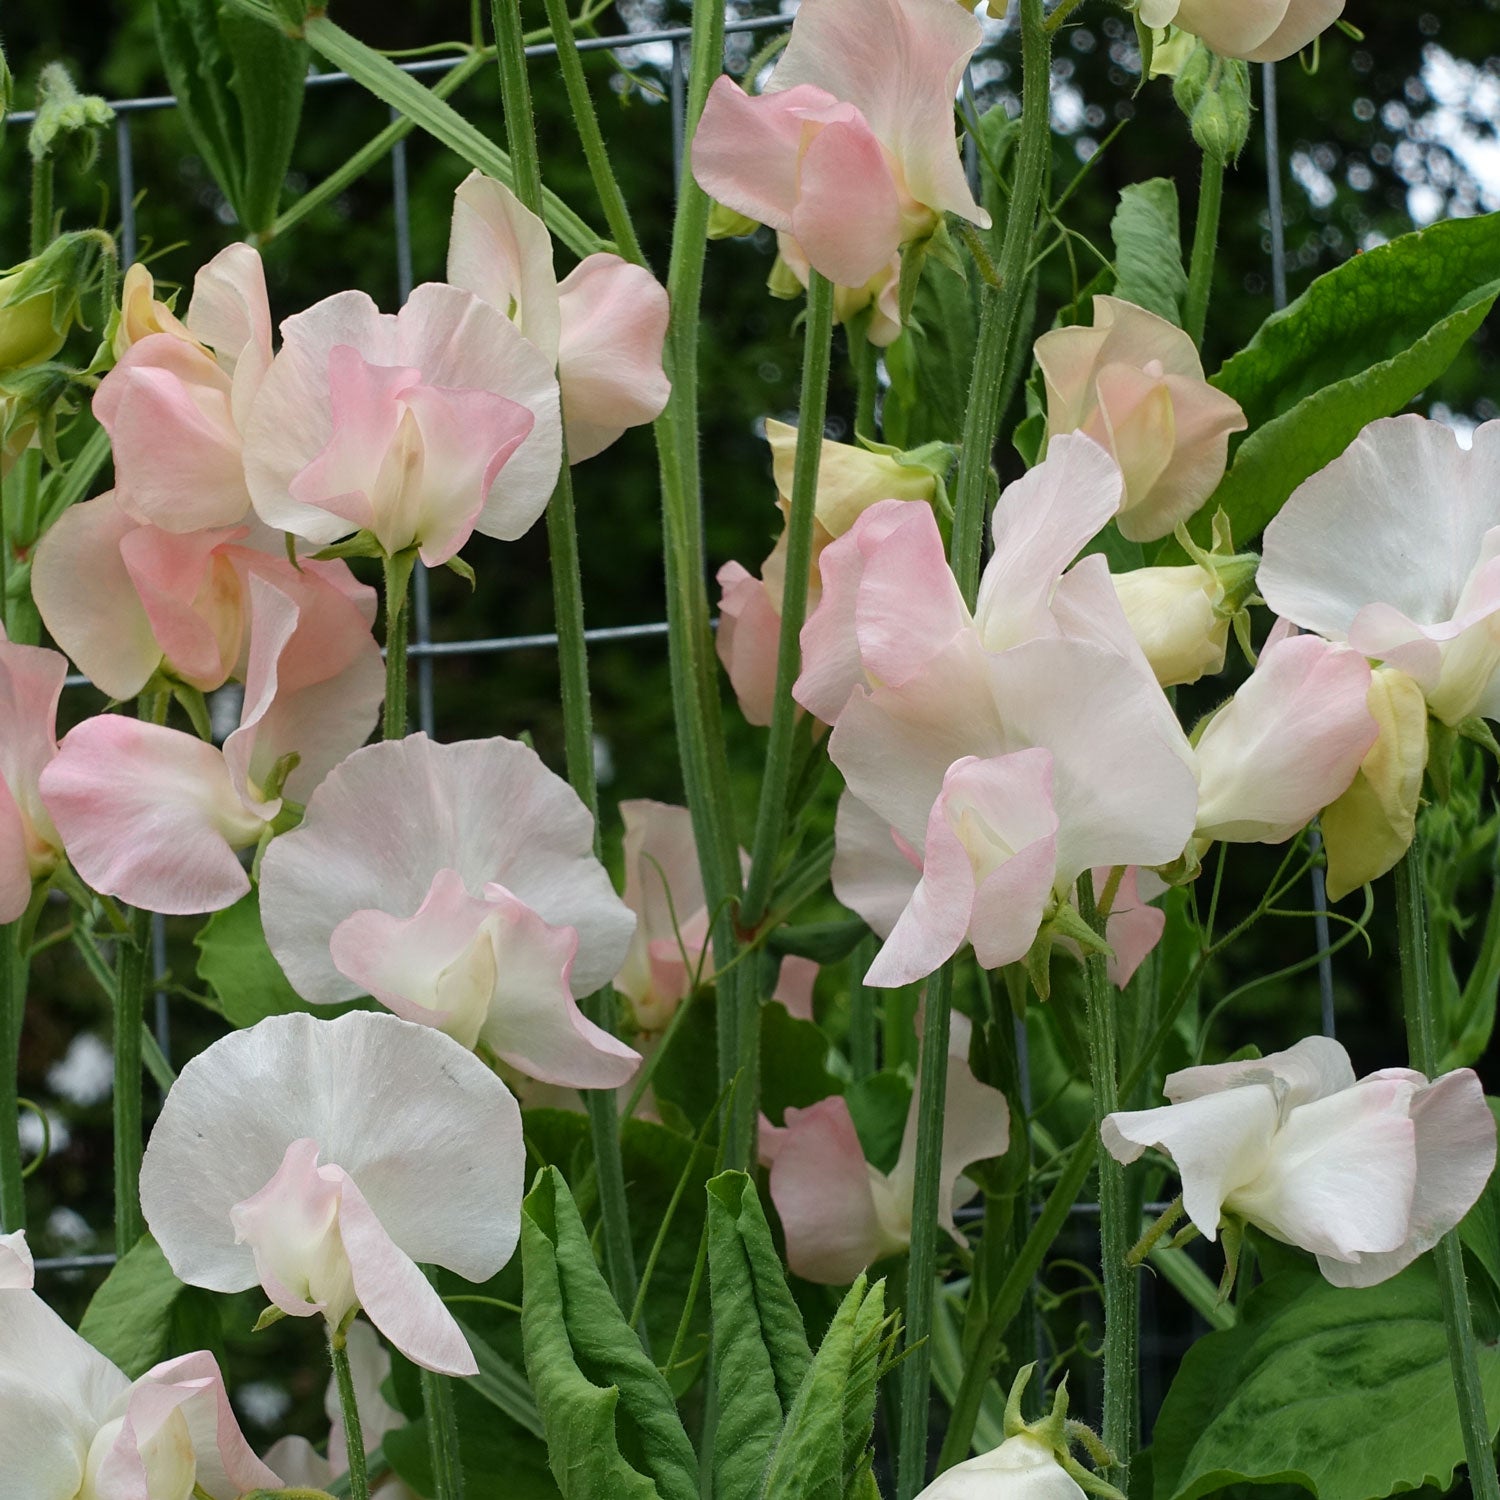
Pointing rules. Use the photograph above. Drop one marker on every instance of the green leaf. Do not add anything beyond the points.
(793, 1063)
(502, 1384)
(130, 1319)
(593, 1383)
(1346, 1392)
(1148, 249)
(246, 979)
(1360, 343)
(879, 1105)
(761, 1353)
(823, 942)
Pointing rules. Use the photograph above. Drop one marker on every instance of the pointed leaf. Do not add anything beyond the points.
(1148, 248)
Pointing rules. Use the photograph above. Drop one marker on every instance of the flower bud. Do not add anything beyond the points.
(1171, 612)
(141, 313)
(726, 224)
(39, 299)
(1214, 93)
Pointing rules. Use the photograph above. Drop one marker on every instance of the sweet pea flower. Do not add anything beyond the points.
(156, 816)
(126, 600)
(1174, 613)
(1394, 547)
(142, 313)
(840, 1214)
(17, 1273)
(602, 327)
(176, 404)
(670, 946)
(880, 295)
(420, 427)
(851, 148)
(1134, 383)
(73, 1425)
(1365, 1175)
(31, 680)
(1256, 30)
(298, 1462)
(978, 789)
(290, 1155)
(477, 906)
(1288, 743)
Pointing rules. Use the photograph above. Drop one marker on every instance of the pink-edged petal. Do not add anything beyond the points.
(150, 815)
(745, 149)
(820, 1184)
(1219, 1143)
(1341, 1173)
(499, 250)
(794, 985)
(609, 363)
(1288, 743)
(166, 407)
(1140, 430)
(445, 1179)
(875, 870)
(229, 312)
(87, 600)
(1067, 358)
(15, 862)
(1133, 928)
(747, 641)
(900, 62)
(31, 680)
(226, 1468)
(847, 217)
(1203, 419)
(1455, 1149)
(395, 1295)
(17, 1273)
(1041, 523)
(935, 922)
(535, 839)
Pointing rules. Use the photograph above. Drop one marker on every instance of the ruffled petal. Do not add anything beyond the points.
(747, 641)
(847, 217)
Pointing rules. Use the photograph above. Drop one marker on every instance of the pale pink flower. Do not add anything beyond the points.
(470, 901)
(1134, 383)
(31, 679)
(1366, 1175)
(1394, 547)
(840, 1214)
(17, 1273)
(156, 816)
(1286, 745)
(326, 1160)
(419, 427)
(176, 404)
(602, 327)
(880, 295)
(851, 147)
(71, 1423)
(1256, 30)
(670, 949)
(126, 600)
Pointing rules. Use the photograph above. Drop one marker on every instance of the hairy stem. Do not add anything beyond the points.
(354, 1434)
(130, 1009)
(397, 624)
(12, 1009)
(1205, 244)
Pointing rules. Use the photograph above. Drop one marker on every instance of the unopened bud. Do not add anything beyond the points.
(1214, 93)
(726, 224)
(62, 112)
(39, 299)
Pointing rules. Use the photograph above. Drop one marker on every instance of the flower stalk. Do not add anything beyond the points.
(12, 1010)
(1205, 244)
(130, 1011)
(1422, 1046)
(354, 1435)
(397, 629)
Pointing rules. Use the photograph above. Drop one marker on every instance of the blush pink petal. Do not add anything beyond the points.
(150, 815)
(609, 364)
(31, 679)
(820, 1184)
(747, 641)
(535, 838)
(875, 870)
(229, 312)
(794, 986)
(88, 601)
(848, 218)
(166, 407)
(1133, 928)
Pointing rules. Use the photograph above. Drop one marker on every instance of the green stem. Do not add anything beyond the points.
(12, 1010)
(41, 204)
(862, 1017)
(586, 122)
(573, 665)
(354, 1433)
(397, 621)
(999, 305)
(130, 1010)
(932, 1090)
(1205, 243)
(1421, 1041)
(1117, 1232)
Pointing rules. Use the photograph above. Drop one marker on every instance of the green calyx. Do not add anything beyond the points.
(1060, 1433)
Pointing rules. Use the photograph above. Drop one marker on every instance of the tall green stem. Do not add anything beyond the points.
(12, 1010)
(1205, 244)
(397, 622)
(932, 1091)
(572, 655)
(354, 1432)
(1001, 303)
(1421, 1042)
(1116, 1235)
(130, 1011)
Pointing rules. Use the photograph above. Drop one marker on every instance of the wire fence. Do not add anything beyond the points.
(425, 652)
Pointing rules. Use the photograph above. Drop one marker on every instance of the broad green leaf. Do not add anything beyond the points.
(1360, 343)
(235, 962)
(132, 1318)
(824, 1449)
(761, 1353)
(823, 942)
(502, 1384)
(570, 1325)
(879, 1105)
(1346, 1392)
(793, 1063)
(1147, 233)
